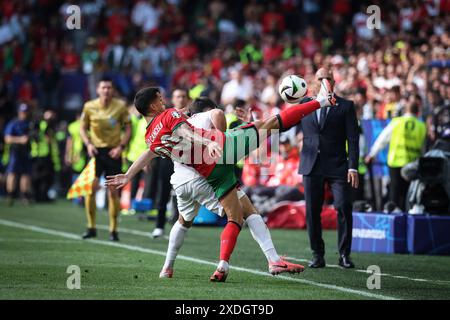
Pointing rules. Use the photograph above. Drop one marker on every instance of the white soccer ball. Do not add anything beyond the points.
(292, 88)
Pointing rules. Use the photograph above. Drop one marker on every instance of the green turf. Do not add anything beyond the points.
(33, 264)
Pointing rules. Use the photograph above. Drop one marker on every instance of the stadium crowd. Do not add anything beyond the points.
(234, 52)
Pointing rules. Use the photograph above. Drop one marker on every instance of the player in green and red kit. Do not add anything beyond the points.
(211, 152)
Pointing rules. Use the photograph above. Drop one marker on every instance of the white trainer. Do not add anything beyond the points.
(326, 95)
(166, 273)
(158, 232)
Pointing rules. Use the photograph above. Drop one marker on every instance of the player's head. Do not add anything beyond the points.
(324, 73)
(105, 88)
(180, 100)
(202, 104)
(23, 111)
(149, 101)
(239, 103)
(285, 146)
(412, 107)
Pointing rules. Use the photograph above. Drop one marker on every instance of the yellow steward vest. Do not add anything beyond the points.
(407, 139)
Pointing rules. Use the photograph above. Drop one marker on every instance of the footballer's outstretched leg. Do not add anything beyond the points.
(293, 115)
(261, 234)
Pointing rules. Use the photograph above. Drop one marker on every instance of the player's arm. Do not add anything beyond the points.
(120, 180)
(352, 132)
(218, 120)
(10, 138)
(68, 151)
(16, 139)
(381, 142)
(185, 131)
(84, 127)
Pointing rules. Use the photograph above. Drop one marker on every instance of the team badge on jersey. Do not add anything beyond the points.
(176, 115)
(112, 122)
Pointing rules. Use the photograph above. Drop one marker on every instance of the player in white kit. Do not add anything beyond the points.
(192, 190)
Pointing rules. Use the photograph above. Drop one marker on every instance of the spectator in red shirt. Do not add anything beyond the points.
(284, 183)
(172, 24)
(309, 44)
(342, 7)
(49, 77)
(272, 20)
(8, 9)
(69, 58)
(117, 24)
(216, 64)
(272, 50)
(286, 166)
(186, 50)
(26, 93)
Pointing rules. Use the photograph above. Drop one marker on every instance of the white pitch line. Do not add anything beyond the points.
(131, 231)
(379, 274)
(191, 259)
(147, 234)
(38, 240)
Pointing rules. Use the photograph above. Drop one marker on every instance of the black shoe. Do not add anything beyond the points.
(346, 262)
(90, 233)
(113, 236)
(317, 262)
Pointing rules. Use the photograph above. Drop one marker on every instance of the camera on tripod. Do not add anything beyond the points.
(434, 174)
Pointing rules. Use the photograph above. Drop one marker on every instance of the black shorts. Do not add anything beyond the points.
(105, 164)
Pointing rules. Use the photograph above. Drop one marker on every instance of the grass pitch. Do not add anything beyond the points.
(38, 243)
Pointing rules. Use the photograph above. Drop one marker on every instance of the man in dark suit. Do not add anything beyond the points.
(325, 158)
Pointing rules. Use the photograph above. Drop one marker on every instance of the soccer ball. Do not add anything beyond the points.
(292, 88)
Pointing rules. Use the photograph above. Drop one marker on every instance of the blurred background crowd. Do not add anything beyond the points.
(234, 52)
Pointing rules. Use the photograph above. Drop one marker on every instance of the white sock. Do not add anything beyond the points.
(261, 234)
(176, 239)
(223, 265)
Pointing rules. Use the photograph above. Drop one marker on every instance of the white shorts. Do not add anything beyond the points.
(195, 193)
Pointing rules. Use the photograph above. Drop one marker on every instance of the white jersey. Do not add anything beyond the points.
(183, 174)
(191, 188)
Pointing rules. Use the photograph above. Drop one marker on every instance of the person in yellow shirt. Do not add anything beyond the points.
(137, 146)
(405, 136)
(75, 154)
(102, 122)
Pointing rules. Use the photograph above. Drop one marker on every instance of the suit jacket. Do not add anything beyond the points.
(340, 126)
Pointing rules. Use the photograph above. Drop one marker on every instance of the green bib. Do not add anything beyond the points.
(137, 142)
(78, 154)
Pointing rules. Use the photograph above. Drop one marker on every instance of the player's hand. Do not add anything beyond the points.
(353, 179)
(118, 181)
(92, 150)
(67, 161)
(214, 150)
(368, 159)
(24, 139)
(147, 169)
(243, 114)
(115, 152)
